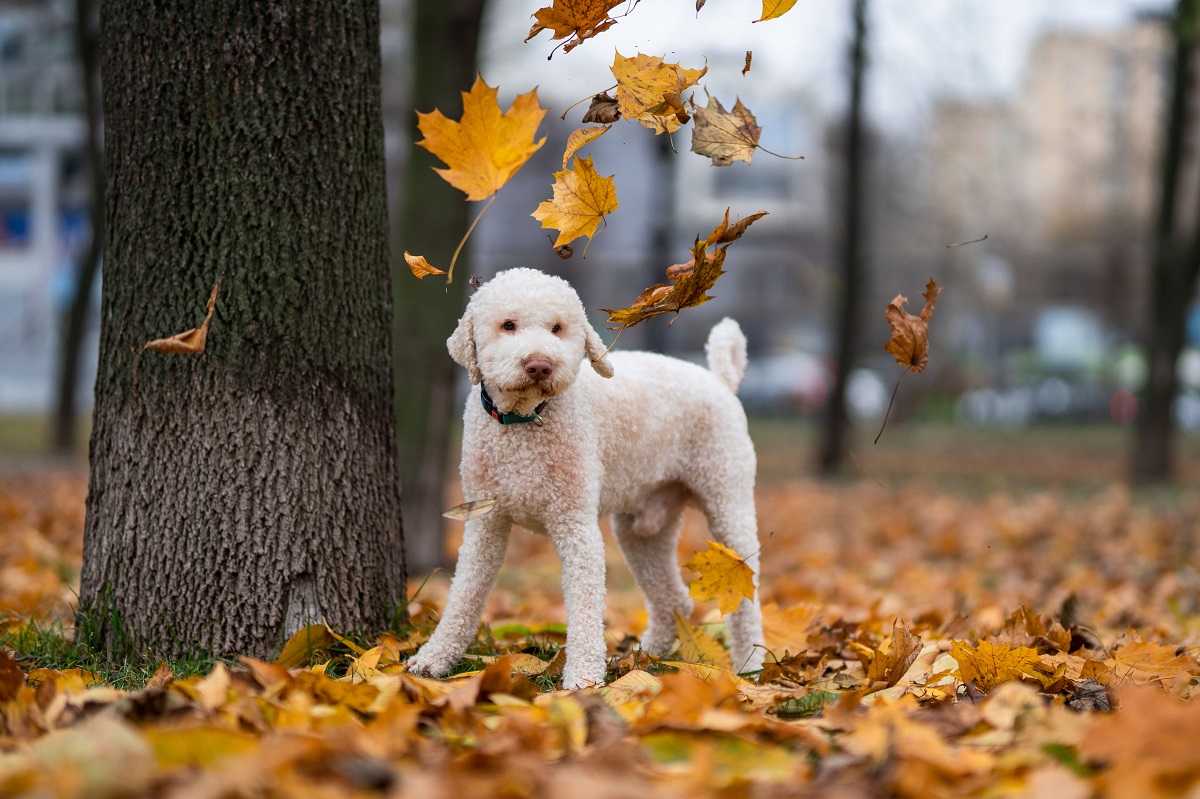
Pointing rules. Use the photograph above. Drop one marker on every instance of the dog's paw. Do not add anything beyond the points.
(430, 663)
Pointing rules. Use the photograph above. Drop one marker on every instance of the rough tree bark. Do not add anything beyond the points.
(245, 491)
(1176, 264)
(836, 426)
(434, 218)
(66, 416)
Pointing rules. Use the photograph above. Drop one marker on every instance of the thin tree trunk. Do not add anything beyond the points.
(243, 492)
(837, 421)
(433, 220)
(66, 408)
(1176, 259)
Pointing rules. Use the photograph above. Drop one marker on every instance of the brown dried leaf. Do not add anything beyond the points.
(909, 344)
(749, 56)
(691, 285)
(189, 342)
(725, 136)
(603, 110)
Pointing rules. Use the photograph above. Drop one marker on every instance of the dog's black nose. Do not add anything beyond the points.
(539, 368)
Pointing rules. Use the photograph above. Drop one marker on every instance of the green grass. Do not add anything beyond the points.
(49, 644)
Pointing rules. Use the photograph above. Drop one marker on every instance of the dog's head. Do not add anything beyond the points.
(524, 335)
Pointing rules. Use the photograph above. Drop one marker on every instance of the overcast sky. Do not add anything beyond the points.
(920, 49)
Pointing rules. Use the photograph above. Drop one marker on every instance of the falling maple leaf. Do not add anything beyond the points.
(649, 90)
(582, 199)
(420, 267)
(749, 57)
(773, 9)
(691, 286)
(723, 576)
(580, 138)
(486, 147)
(725, 136)
(988, 665)
(909, 344)
(573, 20)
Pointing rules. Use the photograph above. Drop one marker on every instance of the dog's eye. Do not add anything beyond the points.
(556, 329)
(509, 325)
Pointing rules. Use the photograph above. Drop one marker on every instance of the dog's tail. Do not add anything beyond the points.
(726, 350)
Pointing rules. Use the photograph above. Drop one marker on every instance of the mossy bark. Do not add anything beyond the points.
(242, 492)
(434, 218)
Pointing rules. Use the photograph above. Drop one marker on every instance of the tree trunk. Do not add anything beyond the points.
(837, 420)
(241, 493)
(1175, 268)
(65, 408)
(434, 218)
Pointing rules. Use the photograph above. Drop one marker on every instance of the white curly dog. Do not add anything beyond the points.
(557, 447)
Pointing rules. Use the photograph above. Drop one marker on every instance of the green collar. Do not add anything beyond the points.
(508, 418)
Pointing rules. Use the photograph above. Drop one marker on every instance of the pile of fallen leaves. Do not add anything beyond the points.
(920, 645)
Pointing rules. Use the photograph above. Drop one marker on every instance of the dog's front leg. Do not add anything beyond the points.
(479, 559)
(580, 548)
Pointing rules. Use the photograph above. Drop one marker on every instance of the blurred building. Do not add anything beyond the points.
(43, 195)
(1063, 178)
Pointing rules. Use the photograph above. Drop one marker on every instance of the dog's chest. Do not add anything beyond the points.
(534, 472)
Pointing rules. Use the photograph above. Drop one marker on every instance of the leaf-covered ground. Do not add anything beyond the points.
(924, 643)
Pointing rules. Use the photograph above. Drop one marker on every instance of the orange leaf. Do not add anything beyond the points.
(581, 200)
(420, 267)
(890, 661)
(485, 148)
(577, 19)
(691, 286)
(189, 342)
(910, 334)
(299, 648)
(724, 576)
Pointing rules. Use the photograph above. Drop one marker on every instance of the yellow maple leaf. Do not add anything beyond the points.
(697, 646)
(649, 89)
(990, 664)
(725, 136)
(576, 19)
(724, 576)
(773, 9)
(581, 200)
(487, 147)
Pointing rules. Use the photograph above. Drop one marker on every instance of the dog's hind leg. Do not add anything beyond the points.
(652, 558)
(479, 559)
(732, 522)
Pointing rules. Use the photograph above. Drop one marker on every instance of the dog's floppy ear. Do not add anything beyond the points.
(597, 354)
(462, 347)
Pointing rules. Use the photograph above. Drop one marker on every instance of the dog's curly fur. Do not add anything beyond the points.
(638, 438)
